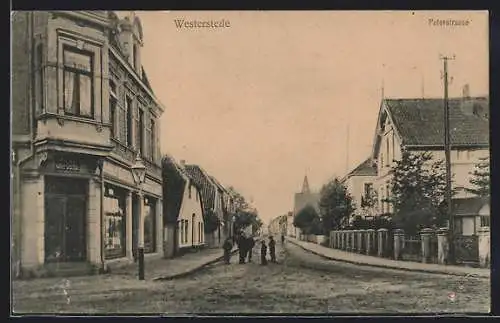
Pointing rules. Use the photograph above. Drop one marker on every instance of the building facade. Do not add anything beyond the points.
(183, 211)
(212, 201)
(82, 111)
(360, 184)
(418, 125)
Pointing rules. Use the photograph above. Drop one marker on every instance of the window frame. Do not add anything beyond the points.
(129, 121)
(90, 74)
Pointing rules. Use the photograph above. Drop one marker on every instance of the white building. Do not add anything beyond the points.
(418, 125)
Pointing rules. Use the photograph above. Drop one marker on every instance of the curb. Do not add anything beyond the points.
(427, 271)
(191, 271)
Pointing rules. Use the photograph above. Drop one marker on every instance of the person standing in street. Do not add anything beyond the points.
(272, 249)
(227, 246)
(251, 244)
(282, 239)
(263, 253)
(241, 248)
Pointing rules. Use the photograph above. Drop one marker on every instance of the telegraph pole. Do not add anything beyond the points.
(447, 148)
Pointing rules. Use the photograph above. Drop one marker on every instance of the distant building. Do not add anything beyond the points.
(360, 184)
(304, 198)
(418, 125)
(211, 194)
(471, 214)
(184, 224)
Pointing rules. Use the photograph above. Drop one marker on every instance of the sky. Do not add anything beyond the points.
(278, 95)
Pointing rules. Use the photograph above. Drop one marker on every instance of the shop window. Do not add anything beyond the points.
(149, 225)
(114, 210)
(186, 230)
(78, 82)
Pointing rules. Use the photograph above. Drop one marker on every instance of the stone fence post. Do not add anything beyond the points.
(399, 238)
(370, 240)
(443, 246)
(425, 238)
(484, 246)
(382, 237)
(360, 240)
(354, 240)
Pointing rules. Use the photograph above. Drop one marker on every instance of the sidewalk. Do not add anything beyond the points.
(363, 260)
(167, 269)
(41, 294)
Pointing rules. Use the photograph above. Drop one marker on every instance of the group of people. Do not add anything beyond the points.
(245, 248)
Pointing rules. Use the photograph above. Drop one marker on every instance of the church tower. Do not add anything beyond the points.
(305, 186)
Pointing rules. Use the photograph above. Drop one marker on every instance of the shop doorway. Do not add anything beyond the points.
(65, 219)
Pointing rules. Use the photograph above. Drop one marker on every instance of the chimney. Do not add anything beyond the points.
(466, 91)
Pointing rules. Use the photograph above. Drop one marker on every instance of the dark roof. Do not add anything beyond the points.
(206, 185)
(366, 168)
(468, 206)
(421, 121)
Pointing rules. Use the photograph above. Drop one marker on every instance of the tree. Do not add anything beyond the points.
(307, 219)
(336, 205)
(418, 191)
(211, 221)
(244, 214)
(480, 180)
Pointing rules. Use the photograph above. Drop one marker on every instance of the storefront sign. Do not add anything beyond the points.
(69, 165)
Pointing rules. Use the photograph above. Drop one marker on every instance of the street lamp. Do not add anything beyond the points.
(139, 173)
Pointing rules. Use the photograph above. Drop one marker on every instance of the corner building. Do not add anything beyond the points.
(82, 110)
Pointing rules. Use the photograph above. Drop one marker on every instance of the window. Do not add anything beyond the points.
(368, 190)
(189, 191)
(78, 83)
(128, 107)
(152, 139)
(387, 151)
(388, 196)
(393, 145)
(114, 210)
(112, 108)
(381, 160)
(150, 225)
(186, 230)
(39, 80)
(140, 129)
(485, 220)
(181, 231)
